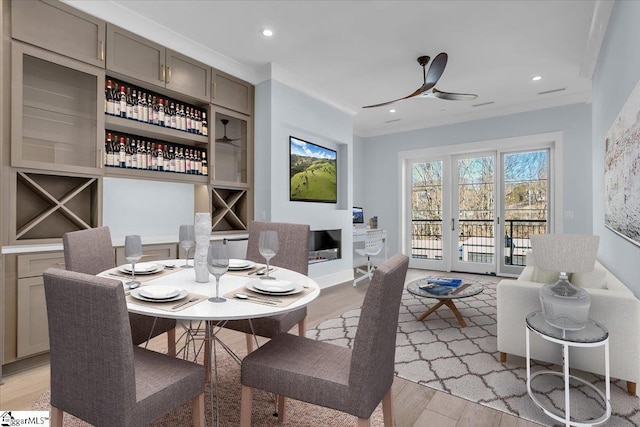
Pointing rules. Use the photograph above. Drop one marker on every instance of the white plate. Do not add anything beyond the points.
(142, 268)
(159, 292)
(273, 286)
(296, 289)
(241, 264)
(136, 294)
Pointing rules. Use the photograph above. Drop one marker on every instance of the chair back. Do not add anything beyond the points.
(92, 363)
(293, 245)
(373, 243)
(89, 251)
(373, 356)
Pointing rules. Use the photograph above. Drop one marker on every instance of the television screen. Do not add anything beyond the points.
(313, 172)
(358, 216)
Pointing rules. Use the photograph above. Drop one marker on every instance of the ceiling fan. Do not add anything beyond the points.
(225, 139)
(430, 78)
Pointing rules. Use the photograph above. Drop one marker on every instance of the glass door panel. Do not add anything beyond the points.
(473, 230)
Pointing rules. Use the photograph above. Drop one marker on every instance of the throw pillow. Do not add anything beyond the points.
(594, 279)
(544, 276)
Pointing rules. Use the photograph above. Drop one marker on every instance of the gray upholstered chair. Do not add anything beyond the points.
(90, 252)
(293, 254)
(97, 374)
(352, 381)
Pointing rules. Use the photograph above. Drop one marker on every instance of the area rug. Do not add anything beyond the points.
(296, 413)
(464, 362)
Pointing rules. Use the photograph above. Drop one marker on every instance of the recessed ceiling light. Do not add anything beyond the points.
(392, 110)
(267, 32)
(536, 78)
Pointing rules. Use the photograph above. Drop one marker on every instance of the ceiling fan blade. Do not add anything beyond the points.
(436, 70)
(416, 93)
(226, 140)
(449, 96)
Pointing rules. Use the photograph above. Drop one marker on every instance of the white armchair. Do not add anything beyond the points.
(612, 304)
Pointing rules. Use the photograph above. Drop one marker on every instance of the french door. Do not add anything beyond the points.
(473, 212)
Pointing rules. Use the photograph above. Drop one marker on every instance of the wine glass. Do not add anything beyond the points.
(268, 248)
(218, 264)
(187, 240)
(133, 254)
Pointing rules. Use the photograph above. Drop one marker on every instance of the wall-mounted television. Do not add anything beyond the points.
(358, 215)
(313, 173)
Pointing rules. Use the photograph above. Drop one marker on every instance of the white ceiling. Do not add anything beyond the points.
(355, 53)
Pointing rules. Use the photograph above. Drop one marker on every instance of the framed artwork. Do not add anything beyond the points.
(622, 171)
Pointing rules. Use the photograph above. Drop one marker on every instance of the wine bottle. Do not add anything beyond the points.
(142, 155)
(187, 162)
(167, 159)
(123, 102)
(160, 158)
(154, 157)
(205, 129)
(143, 112)
(135, 107)
(110, 100)
(133, 153)
(116, 100)
(154, 105)
(204, 168)
(198, 163)
(148, 155)
(108, 148)
(174, 119)
(167, 114)
(188, 124)
(172, 160)
(149, 109)
(129, 110)
(198, 129)
(160, 112)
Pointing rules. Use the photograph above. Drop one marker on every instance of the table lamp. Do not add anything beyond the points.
(564, 305)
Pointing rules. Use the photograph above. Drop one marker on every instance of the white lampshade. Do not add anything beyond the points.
(564, 305)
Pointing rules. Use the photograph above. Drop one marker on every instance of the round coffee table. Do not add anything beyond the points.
(465, 290)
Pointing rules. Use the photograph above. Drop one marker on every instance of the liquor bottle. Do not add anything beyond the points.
(172, 111)
(110, 101)
(122, 154)
(135, 107)
(131, 154)
(160, 112)
(129, 110)
(154, 105)
(149, 156)
(123, 102)
(204, 168)
(160, 159)
(167, 159)
(154, 157)
(205, 129)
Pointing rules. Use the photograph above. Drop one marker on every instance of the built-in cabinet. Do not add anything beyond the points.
(59, 60)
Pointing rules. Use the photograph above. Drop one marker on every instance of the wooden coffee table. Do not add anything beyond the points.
(465, 290)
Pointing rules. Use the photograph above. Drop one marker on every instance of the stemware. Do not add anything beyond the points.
(133, 254)
(187, 240)
(218, 264)
(268, 248)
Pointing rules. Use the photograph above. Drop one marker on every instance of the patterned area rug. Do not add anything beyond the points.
(438, 353)
(296, 413)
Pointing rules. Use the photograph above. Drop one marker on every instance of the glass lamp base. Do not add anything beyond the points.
(564, 305)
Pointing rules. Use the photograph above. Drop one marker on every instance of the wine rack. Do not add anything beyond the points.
(51, 205)
(228, 209)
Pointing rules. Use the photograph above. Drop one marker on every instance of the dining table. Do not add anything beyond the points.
(194, 307)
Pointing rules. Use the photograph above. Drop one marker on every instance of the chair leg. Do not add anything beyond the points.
(363, 422)
(387, 409)
(55, 417)
(280, 399)
(198, 410)
(503, 357)
(245, 406)
(249, 338)
(171, 342)
(302, 327)
(631, 388)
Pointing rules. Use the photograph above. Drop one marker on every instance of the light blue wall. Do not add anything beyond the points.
(282, 111)
(615, 77)
(380, 155)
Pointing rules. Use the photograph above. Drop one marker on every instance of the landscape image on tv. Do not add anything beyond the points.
(312, 172)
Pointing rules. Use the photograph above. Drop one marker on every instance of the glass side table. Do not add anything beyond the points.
(592, 335)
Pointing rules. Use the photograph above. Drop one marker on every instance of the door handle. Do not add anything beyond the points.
(168, 74)
(162, 73)
(453, 224)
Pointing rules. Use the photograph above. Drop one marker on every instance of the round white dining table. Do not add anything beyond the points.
(231, 309)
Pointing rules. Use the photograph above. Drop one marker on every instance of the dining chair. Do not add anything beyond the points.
(97, 374)
(351, 381)
(293, 254)
(91, 251)
(372, 246)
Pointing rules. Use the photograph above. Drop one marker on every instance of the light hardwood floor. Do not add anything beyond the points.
(414, 405)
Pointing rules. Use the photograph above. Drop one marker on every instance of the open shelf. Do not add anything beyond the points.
(120, 124)
(228, 209)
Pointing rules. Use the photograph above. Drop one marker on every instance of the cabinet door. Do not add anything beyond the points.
(232, 93)
(33, 265)
(187, 76)
(33, 326)
(55, 124)
(55, 26)
(135, 56)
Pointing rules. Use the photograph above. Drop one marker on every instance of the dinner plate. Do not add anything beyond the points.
(241, 264)
(273, 286)
(142, 268)
(296, 289)
(159, 292)
(136, 294)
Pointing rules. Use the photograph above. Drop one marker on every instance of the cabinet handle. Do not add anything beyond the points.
(213, 91)
(453, 224)
(101, 49)
(168, 75)
(162, 75)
